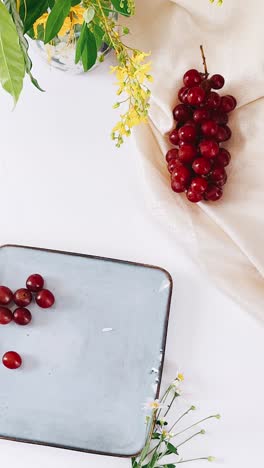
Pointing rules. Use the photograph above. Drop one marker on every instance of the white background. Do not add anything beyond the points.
(64, 185)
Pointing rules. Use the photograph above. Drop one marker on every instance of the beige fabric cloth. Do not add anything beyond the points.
(226, 237)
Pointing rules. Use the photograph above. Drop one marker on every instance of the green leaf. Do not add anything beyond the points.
(153, 460)
(89, 52)
(169, 465)
(12, 65)
(171, 449)
(155, 435)
(80, 43)
(31, 10)
(75, 2)
(122, 7)
(98, 34)
(56, 19)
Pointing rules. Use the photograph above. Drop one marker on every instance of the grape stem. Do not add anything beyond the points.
(204, 62)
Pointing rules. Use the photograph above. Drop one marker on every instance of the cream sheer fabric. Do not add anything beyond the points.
(226, 238)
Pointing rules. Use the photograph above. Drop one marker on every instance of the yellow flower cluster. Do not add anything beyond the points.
(75, 17)
(132, 73)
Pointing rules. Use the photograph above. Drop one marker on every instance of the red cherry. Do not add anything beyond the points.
(206, 85)
(193, 197)
(173, 164)
(213, 193)
(218, 176)
(223, 133)
(171, 154)
(174, 137)
(45, 299)
(199, 185)
(181, 175)
(191, 78)
(22, 297)
(22, 316)
(5, 316)
(12, 360)
(35, 282)
(6, 295)
(228, 103)
(219, 117)
(196, 96)
(177, 187)
(209, 128)
(188, 133)
(182, 95)
(187, 153)
(217, 81)
(181, 113)
(200, 115)
(209, 148)
(192, 124)
(223, 158)
(202, 166)
(212, 101)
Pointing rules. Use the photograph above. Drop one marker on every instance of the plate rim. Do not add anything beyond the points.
(163, 346)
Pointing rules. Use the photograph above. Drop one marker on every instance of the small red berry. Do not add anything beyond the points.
(45, 299)
(213, 193)
(196, 96)
(212, 101)
(202, 166)
(209, 148)
(223, 133)
(209, 128)
(35, 282)
(187, 153)
(174, 137)
(221, 118)
(181, 113)
(191, 78)
(171, 154)
(177, 186)
(5, 316)
(194, 197)
(173, 164)
(181, 175)
(22, 316)
(217, 81)
(223, 158)
(227, 104)
(218, 176)
(182, 95)
(6, 295)
(200, 115)
(188, 133)
(199, 185)
(12, 360)
(22, 297)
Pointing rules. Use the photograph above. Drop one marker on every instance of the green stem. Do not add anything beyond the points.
(170, 405)
(182, 416)
(195, 424)
(192, 459)
(189, 438)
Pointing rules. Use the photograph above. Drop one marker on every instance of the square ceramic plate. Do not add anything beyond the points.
(91, 361)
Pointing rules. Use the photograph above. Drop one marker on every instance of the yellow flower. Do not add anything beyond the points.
(75, 16)
(180, 377)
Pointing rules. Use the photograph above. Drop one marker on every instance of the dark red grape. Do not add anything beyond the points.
(174, 137)
(217, 81)
(181, 113)
(200, 115)
(182, 95)
(171, 154)
(22, 297)
(227, 104)
(213, 193)
(22, 316)
(202, 166)
(35, 282)
(218, 176)
(187, 153)
(45, 299)
(12, 360)
(195, 96)
(191, 78)
(223, 133)
(173, 164)
(209, 148)
(193, 197)
(212, 101)
(223, 158)
(219, 117)
(188, 133)
(6, 295)
(5, 316)
(181, 175)
(177, 186)
(199, 185)
(209, 128)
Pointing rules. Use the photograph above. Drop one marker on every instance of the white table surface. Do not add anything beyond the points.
(63, 185)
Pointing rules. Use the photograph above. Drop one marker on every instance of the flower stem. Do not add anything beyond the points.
(182, 416)
(204, 62)
(192, 459)
(189, 438)
(195, 424)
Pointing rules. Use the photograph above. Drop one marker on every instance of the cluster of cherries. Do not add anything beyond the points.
(197, 162)
(21, 315)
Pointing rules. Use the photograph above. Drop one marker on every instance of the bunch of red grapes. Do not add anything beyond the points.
(197, 162)
(21, 315)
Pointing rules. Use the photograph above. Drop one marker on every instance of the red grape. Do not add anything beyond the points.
(187, 153)
(200, 115)
(219, 117)
(227, 104)
(173, 164)
(209, 128)
(177, 186)
(223, 133)
(182, 175)
(213, 193)
(218, 176)
(223, 158)
(194, 197)
(5, 316)
(209, 148)
(35, 282)
(174, 137)
(199, 185)
(195, 96)
(202, 166)
(182, 95)
(181, 113)
(22, 316)
(171, 154)
(6, 295)
(212, 101)
(45, 299)
(188, 133)
(12, 360)
(191, 78)
(217, 81)
(22, 297)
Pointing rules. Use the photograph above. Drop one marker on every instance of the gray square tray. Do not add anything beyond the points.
(91, 361)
